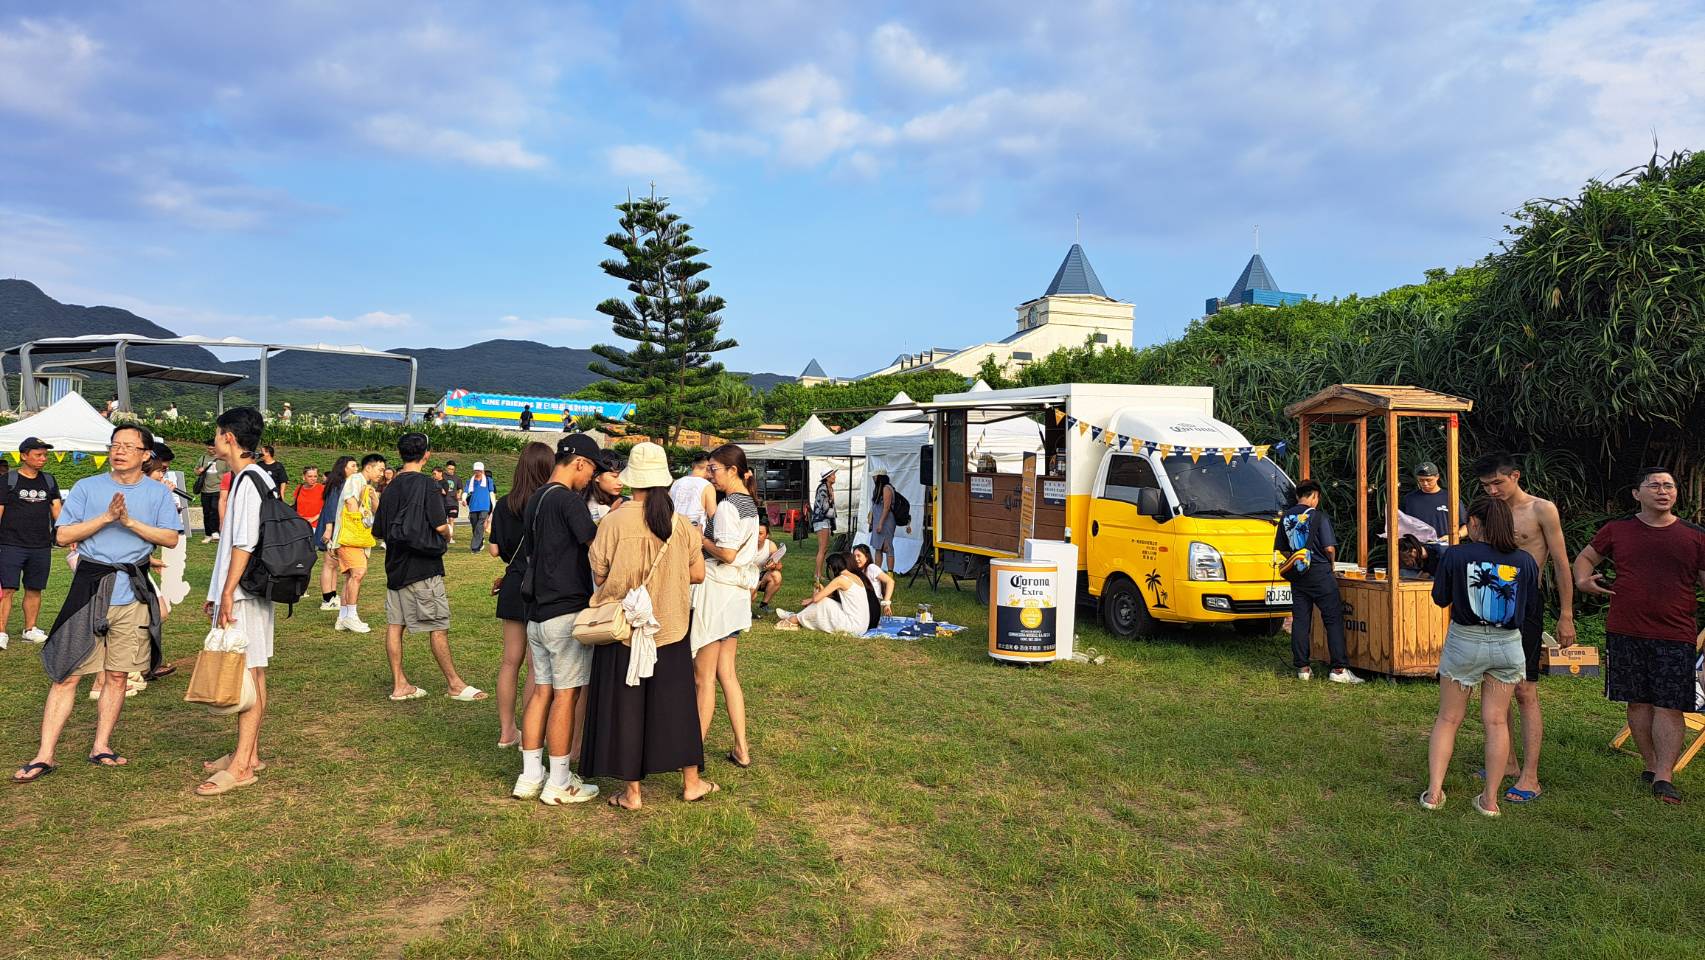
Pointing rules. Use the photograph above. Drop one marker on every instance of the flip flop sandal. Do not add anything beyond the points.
(1438, 805)
(224, 763)
(414, 694)
(223, 782)
(508, 745)
(469, 694)
(1483, 811)
(165, 671)
(1666, 791)
(714, 788)
(1518, 795)
(26, 773)
(108, 760)
(616, 802)
(736, 761)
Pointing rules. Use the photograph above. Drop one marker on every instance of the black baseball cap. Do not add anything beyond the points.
(1427, 469)
(579, 445)
(163, 453)
(33, 443)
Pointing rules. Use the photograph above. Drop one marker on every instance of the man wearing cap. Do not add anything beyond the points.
(478, 494)
(1430, 504)
(556, 589)
(29, 507)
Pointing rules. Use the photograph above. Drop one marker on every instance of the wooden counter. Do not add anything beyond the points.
(1368, 639)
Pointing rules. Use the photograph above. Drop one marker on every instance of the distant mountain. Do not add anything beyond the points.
(494, 366)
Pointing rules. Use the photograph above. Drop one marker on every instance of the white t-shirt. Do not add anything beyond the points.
(687, 494)
(240, 529)
(873, 573)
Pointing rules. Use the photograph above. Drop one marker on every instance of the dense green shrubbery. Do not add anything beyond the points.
(331, 433)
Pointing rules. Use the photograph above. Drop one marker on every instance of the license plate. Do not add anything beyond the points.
(1278, 596)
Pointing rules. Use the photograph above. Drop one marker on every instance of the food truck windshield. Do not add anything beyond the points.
(1211, 487)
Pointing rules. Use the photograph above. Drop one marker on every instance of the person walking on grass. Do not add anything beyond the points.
(116, 520)
(411, 520)
(559, 530)
(1539, 531)
(1490, 585)
(532, 471)
(325, 529)
(236, 436)
(1304, 536)
(29, 508)
(452, 490)
(354, 537)
(640, 716)
(722, 604)
(206, 484)
(478, 494)
(1651, 630)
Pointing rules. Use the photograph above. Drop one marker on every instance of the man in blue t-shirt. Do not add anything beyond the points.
(1430, 504)
(115, 520)
(478, 494)
(1304, 537)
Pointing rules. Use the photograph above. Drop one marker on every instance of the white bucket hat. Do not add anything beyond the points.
(648, 466)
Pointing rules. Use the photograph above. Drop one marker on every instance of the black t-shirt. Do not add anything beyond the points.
(505, 529)
(1432, 509)
(1310, 527)
(276, 471)
(561, 531)
(28, 520)
(447, 490)
(411, 490)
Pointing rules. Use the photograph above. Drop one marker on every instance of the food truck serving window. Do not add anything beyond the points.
(1211, 487)
(956, 447)
(1127, 474)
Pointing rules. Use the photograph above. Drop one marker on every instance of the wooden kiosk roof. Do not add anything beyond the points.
(1352, 401)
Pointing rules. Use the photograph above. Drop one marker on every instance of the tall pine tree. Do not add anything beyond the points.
(672, 322)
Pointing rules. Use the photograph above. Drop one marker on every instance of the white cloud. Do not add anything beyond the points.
(544, 329)
(903, 60)
(47, 69)
(408, 135)
(372, 320)
(639, 164)
(808, 141)
(790, 93)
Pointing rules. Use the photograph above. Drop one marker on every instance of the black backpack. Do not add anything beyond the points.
(902, 510)
(409, 528)
(283, 560)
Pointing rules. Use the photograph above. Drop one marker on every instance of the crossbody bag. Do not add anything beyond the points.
(608, 622)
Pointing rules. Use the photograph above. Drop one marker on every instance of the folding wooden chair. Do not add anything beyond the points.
(1693, 721)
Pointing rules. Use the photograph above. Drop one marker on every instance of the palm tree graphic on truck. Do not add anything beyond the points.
(1152, 582)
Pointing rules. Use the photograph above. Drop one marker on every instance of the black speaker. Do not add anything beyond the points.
(926, 470)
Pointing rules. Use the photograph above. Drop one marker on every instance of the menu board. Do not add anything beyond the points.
(982, 488)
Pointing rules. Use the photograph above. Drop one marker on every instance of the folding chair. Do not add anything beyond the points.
(1693, 721)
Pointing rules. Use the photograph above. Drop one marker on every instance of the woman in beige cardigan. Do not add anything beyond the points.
(653, 726)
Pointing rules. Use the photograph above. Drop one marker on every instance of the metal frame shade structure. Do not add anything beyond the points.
(217, 379)
(1358, 403)
(122, 342)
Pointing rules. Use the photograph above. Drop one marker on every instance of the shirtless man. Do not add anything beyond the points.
(1539, 531)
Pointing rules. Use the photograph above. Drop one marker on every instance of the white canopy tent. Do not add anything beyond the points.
(69, 424)
(847, 451)
(793, 447)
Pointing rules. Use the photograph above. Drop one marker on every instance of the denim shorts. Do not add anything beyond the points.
(1475, 653)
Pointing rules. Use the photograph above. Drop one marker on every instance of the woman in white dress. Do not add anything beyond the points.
(846, 605)
(722, 604)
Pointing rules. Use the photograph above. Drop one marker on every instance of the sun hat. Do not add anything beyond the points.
(479, 466)
(648, 466)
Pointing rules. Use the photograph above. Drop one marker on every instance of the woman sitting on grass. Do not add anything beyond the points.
(846, 605)
(880, 581)
(1489, 584)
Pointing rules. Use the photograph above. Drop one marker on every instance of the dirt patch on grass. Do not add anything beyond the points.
(884, 870)
(418, 919)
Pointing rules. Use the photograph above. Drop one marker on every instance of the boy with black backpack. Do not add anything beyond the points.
(416, 529)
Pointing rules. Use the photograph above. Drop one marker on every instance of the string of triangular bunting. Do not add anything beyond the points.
(77, 456)
(1120, 441)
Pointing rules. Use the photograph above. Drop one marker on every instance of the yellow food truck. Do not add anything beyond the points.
(1172, 511)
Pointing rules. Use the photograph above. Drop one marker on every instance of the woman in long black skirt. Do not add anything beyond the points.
(652, 727)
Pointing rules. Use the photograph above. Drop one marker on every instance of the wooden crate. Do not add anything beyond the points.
(1368, 638)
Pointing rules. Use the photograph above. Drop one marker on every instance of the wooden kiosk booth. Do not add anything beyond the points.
(1390, 624)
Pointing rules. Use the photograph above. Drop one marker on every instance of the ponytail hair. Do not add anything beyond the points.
(1497, 523)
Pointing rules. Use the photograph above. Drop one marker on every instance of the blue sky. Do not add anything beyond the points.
(867, 178)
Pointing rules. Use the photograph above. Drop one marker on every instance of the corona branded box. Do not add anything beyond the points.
(1569, 661)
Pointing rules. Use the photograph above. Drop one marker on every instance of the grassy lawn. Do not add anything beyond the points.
(908, 800)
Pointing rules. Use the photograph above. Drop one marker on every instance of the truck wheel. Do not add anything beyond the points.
(983, 586)
(1123, 611)
(1265, 627)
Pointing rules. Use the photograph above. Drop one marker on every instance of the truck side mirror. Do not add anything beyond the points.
(1152, 503)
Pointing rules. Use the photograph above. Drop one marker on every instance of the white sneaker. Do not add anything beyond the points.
(213, 538)
(526, 789)
(331, 604)
(577, 791)
(356, 626)
(1344, 676)
(1305, 673)
(5, 639)
(782, 614)
(33, 635)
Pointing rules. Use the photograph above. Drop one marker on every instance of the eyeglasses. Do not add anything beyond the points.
(1659, 487)
(121, 447)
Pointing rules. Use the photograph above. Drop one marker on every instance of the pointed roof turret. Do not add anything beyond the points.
(1076, 276)
(814, 369)
(1255, 276)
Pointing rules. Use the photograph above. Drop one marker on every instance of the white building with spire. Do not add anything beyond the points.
(1074, 309)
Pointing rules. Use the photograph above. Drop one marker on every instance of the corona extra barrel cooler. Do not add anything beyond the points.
(1022, 612)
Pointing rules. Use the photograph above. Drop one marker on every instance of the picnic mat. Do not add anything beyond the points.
(908, 628)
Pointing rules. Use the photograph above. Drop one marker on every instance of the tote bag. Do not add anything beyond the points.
(221, 680)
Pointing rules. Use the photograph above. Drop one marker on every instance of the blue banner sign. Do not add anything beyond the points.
(501, 409)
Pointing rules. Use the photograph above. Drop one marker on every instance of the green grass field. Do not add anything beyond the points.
(1187, 798)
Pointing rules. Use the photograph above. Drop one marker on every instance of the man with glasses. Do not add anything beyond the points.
(1650, 632)
(1539, 531)
(116, 520)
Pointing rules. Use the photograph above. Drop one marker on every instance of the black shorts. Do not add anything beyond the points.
(1533, 640)
(33, 564)
(1642, 670)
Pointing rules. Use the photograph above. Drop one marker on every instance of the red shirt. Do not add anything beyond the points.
(310, 500)
(1657, 572)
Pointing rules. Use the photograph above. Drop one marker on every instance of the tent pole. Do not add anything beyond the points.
(122, 369)
(408, 402)
(26, 389)
(5, 397)
(221, 400)
(264, 350)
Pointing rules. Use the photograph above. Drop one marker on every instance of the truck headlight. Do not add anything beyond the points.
(1205, 563)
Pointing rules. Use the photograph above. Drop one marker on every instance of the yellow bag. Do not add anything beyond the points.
(355, 531)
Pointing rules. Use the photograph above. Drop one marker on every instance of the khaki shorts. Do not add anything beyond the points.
(352, 559)
(420, 607)
(125, 648)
